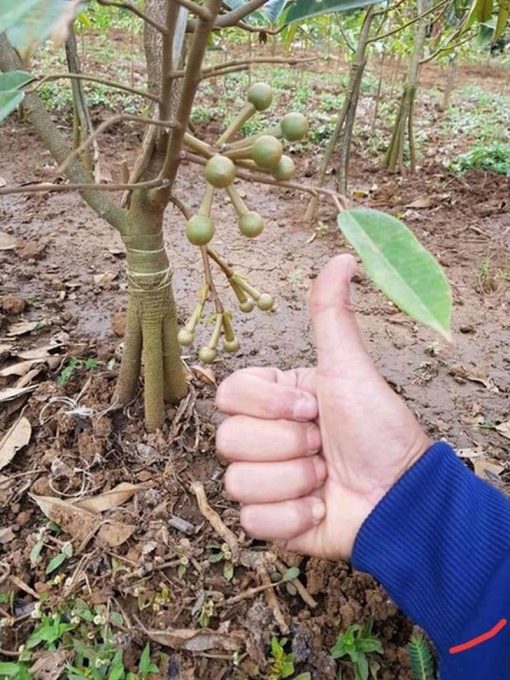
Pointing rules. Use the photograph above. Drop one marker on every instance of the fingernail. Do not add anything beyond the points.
(318, 511)
(313, 439)
(305, 407)
(320, 468)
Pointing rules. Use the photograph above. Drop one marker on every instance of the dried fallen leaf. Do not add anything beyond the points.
(104, 279)
(5, 349)
(206, 374)
(15, 439)
(25, 327)
(504, 429)
(196, 640)
(3, 183)
(40, 352)
(81, 524)
(7, 242)
(6, 535)
(51, 665)
(421, 202)
(488, 468)
(19, 369)
(10, 393)
(110, 499)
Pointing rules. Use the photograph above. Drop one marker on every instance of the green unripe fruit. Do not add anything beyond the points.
(247, 306)
(199, 230)
(185, 337)
(265, 302)
(231, 345)
(294, 126)
(220, 171)
(207, 355)
(284, 170)
(267, 152)
(251, 224)
(260, 95)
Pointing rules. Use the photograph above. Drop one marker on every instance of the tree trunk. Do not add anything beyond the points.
(345, 121)
(403, 127)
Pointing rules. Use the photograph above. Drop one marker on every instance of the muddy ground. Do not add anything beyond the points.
(80, 448)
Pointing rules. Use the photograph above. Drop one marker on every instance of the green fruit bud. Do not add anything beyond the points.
(231, 345)
(185, 337)
(266, 152)
(265, 302)
(251, 224)
(284, 170)
(294, 126)
(207, 355)
(247, 306)
(199, 230)
(260, 95)
(220, 171)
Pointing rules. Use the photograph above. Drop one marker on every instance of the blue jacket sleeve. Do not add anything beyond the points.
(439, 543)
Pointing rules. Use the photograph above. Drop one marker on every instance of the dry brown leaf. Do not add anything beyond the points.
(19, 369)
(196, 640)
(206, 374)
(5, 349)
(81, 524)
(110, 499)
(421, 202)
(15, 439)
(487, 468)
(24, 327)
(104, 279)
(40, 352)
(504, 429)
(7, 242)
(6, 535)
(51, 665)
(10, 393)
(3, 183)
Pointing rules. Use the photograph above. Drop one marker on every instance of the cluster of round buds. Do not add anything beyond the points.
(264, 153)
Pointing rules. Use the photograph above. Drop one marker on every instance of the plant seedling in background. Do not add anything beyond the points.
(357, 643)
(73, 365)
(222, 554)
(281, 663)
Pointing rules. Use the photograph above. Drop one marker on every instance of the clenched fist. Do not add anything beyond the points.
(312, 451)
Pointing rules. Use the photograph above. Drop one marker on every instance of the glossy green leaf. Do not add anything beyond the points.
(14, 80)
(304, 9)
(400, 266)
(9, 102)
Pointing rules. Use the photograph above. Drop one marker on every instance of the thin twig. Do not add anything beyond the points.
(272, 601)
(215, 520)
(220, 262)
(448, 46)
(236, 15)
(103, 81)
(209, 281)
(376, 38)
(135, 10)
(118, 118)
(46, 187)
(211, 71)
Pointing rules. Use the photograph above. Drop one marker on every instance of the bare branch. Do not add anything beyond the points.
(239, 64)
(103, 81)
(236, 15)
(344, 34)
(409, 23)
(45, 187)
(448, 46)
(135, 10)
(118, 118)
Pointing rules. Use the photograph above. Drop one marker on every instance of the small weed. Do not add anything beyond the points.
(489, 277)
(493, 157)
(222, 554)
(72, 365)
(281, 663)
(357, 642)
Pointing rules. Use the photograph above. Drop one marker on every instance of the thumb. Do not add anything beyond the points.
(337, 336)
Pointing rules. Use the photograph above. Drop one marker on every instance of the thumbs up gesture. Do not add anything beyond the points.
(313, 450)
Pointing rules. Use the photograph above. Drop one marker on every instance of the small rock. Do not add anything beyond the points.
(32, 251)
(13, 304)
(467, 329)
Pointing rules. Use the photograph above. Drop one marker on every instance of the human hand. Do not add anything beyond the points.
(312, 451)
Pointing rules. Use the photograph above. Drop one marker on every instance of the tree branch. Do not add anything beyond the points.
(103, 81)
(199, 10)
(53, 140)
(135, 10)
(236, 15)
(118, 118)
(217, 69)
(190, 84)
(44, 187)
(448, 46)
(409, 23)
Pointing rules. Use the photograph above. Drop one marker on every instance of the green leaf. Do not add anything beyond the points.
(36, 552)
(30, 22)
(290, 574)
(368, 645)
(362, 668)
(304, 9)
(400, 266)
(9, 102)
(14, 80)
(483, 10)
(55, 562)
(9, 669)
(228, 571)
